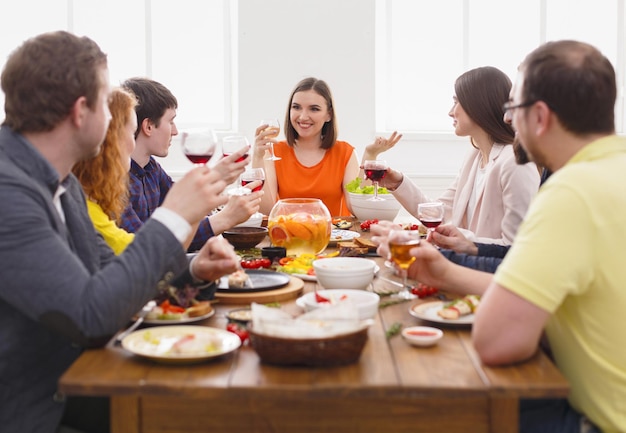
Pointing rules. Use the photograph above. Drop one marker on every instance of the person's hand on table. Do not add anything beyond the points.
(450, 237)
(216, 259)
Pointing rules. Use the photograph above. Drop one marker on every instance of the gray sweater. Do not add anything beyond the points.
(61, 287)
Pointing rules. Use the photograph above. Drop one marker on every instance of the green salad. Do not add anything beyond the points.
(356, 188)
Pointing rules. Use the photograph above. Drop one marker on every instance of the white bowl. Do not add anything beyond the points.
(254, 221)
(366, 302)
(422, 336)
(344, 272)
(365, 209)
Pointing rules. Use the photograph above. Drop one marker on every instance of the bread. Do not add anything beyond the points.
(366, 243)
(350, 249)
(199, 309)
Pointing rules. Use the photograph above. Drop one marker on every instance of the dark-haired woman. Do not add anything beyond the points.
(491, 193)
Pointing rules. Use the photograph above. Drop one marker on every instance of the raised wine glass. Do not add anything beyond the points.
(233, 143)
(375, 170)
(273, 128)
(400, 243)
(430, 214)
(198, 146)
(252, 175)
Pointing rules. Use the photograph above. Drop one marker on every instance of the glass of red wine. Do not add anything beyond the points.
(251, 175)
(430, 214)
(375, 170)
(198, 146)
(232, 144)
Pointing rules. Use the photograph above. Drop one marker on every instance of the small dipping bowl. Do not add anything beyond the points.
(274, 253)
(241, 316)
(422, 336)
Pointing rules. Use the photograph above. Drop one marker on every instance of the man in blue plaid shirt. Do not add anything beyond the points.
(149, 182)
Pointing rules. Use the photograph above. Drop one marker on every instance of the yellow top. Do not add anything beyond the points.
(567, 259)
(117, 238)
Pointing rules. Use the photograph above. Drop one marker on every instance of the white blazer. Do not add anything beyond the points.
(507, 191)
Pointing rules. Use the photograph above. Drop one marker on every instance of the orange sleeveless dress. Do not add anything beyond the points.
(323, 180)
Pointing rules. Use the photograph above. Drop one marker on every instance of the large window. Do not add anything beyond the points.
(423, 46)
(184, 44)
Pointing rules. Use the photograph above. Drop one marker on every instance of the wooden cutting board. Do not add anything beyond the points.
(292, 290)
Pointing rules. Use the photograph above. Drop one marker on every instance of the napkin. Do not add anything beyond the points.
(338, 319)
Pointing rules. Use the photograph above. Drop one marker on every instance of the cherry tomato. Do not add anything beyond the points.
(423, 290)
(250, 264)
(265, 262)
(239, 330)
(365, 225)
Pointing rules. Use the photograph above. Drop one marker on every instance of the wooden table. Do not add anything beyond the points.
(393, 388)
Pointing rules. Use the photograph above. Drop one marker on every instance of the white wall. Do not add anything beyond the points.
(283, 41)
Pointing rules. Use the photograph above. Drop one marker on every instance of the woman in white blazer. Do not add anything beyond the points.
(491, 194)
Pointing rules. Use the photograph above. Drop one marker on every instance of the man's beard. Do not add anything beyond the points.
(521, 157)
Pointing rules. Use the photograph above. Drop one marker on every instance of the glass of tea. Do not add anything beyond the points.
(198, 146)
(430, 214)
(400, 243)
(232, 144)
(273, 128)
(251, 175)
(375, 170)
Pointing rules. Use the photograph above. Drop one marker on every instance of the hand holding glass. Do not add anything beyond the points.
(273, 128)
(198, 146)
(400, 243)
(430, 214)
(375, 170)
(251, 175)
(234, 143)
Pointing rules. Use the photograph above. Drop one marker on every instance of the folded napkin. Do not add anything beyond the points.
(338, 319)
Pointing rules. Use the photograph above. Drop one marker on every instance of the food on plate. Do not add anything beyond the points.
(302, 264)
(459, 307)
(238, 279)
(166, 310)
(342, 224)
(186, 344)
(351, 249)
(365, 225)
(199, 309)
(367, 243)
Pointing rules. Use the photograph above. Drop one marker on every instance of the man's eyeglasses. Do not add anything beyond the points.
(509, 106)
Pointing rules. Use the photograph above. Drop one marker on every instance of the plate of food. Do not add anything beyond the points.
(457, 312)
(337, 235)
(252, 280)
(167, 314)
(181, 344)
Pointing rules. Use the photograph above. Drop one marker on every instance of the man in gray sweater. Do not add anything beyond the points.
(62, 289)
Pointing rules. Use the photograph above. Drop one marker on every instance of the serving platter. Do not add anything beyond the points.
(260, 280)
(181, 321)
(337, 235)
(160, 343)
(428, 311)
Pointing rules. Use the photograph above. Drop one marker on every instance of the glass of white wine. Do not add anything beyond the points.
(273, 128)
(400, 244)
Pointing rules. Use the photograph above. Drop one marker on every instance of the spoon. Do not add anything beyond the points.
(140, 317)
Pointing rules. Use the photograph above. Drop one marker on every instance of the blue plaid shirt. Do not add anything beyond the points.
(148, 187)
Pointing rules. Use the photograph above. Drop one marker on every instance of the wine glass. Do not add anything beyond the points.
(375, 170)
(430, 214)
(274, 128)
(400, 243)
(251, 175)
(198, 146)
(232, 144)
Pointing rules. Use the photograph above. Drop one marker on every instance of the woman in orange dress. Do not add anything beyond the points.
(313, 164)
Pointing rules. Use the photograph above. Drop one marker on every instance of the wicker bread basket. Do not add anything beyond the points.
(338, 350)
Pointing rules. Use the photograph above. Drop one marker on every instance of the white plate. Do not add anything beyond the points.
(306, 277)
(179, 321)
(157, 343)
(343, 235)
(428, 311)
